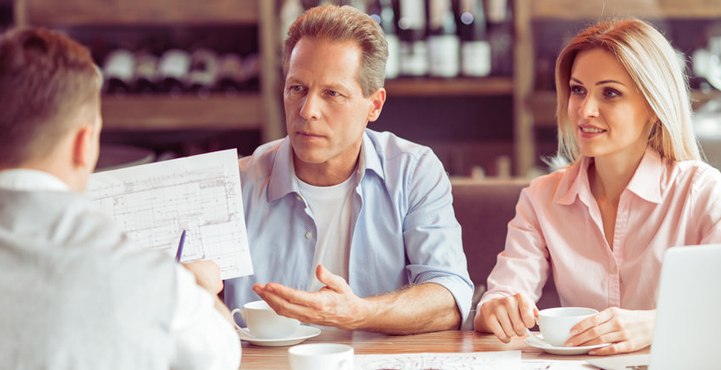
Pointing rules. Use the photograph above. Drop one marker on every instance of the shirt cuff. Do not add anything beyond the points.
(461, 289)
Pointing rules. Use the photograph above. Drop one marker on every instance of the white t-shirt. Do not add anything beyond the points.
(331, 208)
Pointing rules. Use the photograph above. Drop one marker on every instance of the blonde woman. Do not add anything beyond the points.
(635, 187)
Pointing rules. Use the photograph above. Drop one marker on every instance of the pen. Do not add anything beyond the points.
(180, 247)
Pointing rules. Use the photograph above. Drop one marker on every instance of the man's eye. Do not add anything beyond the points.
(333, 93)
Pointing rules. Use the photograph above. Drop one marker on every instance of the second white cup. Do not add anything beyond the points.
(264, 323)
(321, 356)
(556, 323)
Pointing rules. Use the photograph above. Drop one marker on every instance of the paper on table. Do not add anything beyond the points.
(501, 360)
(154, 202)
(540, 364)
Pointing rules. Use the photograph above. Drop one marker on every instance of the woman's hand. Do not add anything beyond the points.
(626, 330)
(507, 317)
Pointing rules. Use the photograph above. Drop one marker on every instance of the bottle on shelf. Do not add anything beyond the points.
(412, 30)
(475, 48)
(358, 4)
(203, 73)
(501, 37)
(230, 74)
(118, 69)
(289, 12)
(382, 12)
(251, 72)
(173, 67)
(443, 42)
(146, 76)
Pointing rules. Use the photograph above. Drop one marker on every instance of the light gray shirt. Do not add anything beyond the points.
(77, 294)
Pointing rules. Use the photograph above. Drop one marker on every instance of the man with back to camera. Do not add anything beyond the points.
(349, 227)
(76, 293)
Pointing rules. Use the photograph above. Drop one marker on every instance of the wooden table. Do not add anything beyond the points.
(366, 343)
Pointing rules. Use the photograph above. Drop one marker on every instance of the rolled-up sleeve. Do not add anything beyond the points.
(432, 234)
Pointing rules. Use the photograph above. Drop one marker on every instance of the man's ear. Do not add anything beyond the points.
(377, 99)
(84, 146)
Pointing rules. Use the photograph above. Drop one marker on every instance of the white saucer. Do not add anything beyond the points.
(302, 333)
(562, 350)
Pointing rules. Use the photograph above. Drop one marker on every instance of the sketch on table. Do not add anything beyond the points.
(153, 203)
(505, 360)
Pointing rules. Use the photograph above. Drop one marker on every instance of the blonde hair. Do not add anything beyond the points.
(344, 23)
(652, 64)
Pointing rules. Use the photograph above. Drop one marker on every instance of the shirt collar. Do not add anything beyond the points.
(574, 183)
(281, 178)
(646, 181)
(30, 180)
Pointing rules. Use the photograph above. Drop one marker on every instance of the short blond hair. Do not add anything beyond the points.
(651, 62)
(344, 23)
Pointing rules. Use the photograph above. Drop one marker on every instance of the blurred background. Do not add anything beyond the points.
(472, 79)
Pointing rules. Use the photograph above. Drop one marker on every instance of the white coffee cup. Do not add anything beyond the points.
(321, 356)
(264, 323)
(556, 323)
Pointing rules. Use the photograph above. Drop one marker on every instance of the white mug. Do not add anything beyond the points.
(264, 323)
(321, 356)
(556, 323)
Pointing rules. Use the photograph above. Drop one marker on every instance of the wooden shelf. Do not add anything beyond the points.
(419, 87)
(136, 12)
(183, 113)
(584, 9)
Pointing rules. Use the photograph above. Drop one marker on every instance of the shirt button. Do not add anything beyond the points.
(614, 270)
(308, 235)
(298, 197)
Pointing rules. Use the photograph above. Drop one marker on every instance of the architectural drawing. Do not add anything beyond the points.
(154, 203)
(503, 360)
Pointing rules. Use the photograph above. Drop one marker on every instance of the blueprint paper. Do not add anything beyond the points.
(500, 360)
(541, 364)
(154, 203)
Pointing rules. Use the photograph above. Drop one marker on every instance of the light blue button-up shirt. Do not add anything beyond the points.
(403, 229)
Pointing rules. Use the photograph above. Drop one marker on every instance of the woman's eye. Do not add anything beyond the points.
(611, 93)
(577, 90)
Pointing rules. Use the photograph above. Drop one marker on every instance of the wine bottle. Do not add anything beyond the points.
(251, 72)
(500, 36)
(443, 43)
(412, 30)
(289, 12)
(146, 75)
(203, 73)
(230, 73)
(118, 70)
(358, 4)
(475, 48)
(174, 67)
(382, 12)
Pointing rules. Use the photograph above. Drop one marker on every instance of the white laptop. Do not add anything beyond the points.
(688, 329)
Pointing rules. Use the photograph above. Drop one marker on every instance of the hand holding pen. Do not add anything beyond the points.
(207, 273)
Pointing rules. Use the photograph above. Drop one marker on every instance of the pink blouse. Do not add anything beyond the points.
(558, 229)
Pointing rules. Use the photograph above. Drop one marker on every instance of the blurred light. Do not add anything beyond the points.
(467, 18)
(403, 23)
